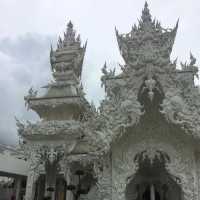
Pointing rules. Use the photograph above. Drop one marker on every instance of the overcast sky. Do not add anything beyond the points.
(28, 27)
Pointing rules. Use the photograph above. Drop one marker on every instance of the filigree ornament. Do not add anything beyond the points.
(150, 84)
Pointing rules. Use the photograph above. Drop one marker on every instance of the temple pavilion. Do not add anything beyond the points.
(142, 143)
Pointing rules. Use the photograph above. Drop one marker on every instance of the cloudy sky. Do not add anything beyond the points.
(28, 27)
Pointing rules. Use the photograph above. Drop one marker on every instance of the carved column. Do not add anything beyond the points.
(18, 188)
(41, 187)
(152, 190)
(51, 172)
(30, 186)
(104, 176)
(68, 178)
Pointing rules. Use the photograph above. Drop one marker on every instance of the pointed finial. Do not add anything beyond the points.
(78, 38)
(177, 23)
(51, 47)
(158, 25)
(175, 61)
(192, 59)
(146, 5)
(116, 31)
(134, 28)
(85, 45)
(59, 44)
(104, 69)
(69, 35)
(146, 16)
(70, 25)
(174, 31)
(81, 86)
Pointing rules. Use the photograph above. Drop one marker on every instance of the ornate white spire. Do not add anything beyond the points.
(69, 36)
(146, 16)
(68, 56)
(146, 42)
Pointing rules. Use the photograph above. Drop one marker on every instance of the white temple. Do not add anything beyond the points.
(142, 143)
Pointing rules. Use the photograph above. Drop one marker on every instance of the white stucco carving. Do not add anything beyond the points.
(151, 109)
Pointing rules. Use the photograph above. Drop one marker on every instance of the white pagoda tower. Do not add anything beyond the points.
(143, 141)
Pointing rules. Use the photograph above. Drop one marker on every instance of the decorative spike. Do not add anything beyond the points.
(175, 61)
(176, 28)
(59, 44)
(146, 16)
(81, 86)
(51, 50)
(158, 25)
(146, 5)
(105, 65)
(140, 22)
(104, 69)
(52, 58)
(93, 107)
(118, 38)
(122, 67)
(65, 36)
(70, 25)
(177, 23)
(78, 39)
(192, 60)
(116, 31)
(134, 28)
(154, 22)
(85, 45)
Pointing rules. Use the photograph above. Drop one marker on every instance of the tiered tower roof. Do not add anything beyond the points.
(64, 98)
(149, 37)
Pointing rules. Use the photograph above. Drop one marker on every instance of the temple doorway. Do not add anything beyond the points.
(151, 193)
(153, 182)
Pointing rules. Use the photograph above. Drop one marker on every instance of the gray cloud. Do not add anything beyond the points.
(24, 63)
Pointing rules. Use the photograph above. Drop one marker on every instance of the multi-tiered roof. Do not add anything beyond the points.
(149, 37)
(64, 98)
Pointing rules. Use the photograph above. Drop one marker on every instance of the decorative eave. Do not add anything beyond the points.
(68, 129)
(179, 96)
(53, 101)
(87, 137)
(64, 78)
(111, 82)
(68, 104)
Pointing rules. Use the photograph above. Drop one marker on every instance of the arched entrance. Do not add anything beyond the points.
(152, 182)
